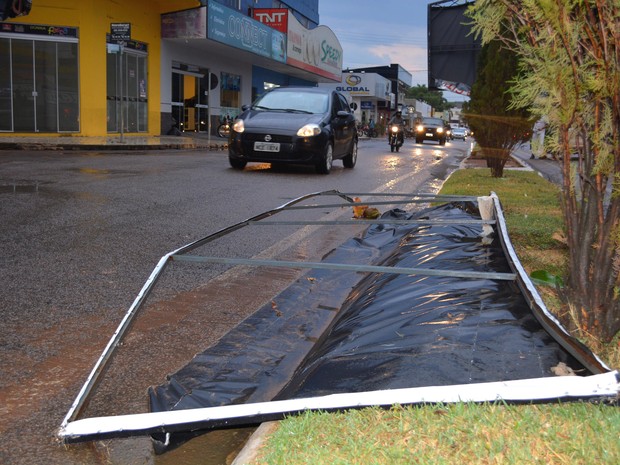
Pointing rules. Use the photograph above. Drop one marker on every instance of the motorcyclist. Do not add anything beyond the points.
(398, 120)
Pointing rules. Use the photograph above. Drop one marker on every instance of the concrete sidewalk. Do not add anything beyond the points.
(548, 168)
(127, 142)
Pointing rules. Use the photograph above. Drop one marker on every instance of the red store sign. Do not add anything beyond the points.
(277, 18)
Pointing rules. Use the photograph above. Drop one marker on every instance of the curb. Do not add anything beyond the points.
(249, 453)
(108, 147)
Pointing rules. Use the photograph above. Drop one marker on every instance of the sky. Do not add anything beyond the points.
(382, 32)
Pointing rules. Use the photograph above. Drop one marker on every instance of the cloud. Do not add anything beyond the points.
(411, 58)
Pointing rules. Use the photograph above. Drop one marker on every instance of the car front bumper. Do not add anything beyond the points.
(291, 149)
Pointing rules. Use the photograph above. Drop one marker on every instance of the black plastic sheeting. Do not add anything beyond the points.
(336, 332)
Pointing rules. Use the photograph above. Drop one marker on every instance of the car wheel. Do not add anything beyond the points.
(442, 142)
(418, 141)
(237, 164)
(324, 166)
(350, 160)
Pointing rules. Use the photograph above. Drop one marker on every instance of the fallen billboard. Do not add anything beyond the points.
(422, 307)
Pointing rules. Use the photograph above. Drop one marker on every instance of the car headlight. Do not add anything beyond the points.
(238, 126)
(439, 130)
(309, 130)
(420, 128)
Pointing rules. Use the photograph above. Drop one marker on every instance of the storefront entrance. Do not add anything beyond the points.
(39, 81)
(127, 87)
(190, 99)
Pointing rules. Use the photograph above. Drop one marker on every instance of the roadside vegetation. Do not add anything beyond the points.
(568, 80)
(555, 433)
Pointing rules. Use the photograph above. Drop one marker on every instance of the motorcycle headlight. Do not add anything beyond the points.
(238, 126)
(309, 130)
(439, 130)
(420, 128)
(394, 128)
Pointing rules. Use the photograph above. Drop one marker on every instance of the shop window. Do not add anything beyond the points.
(230, 95)
(38, 86)
(6, 101)
(68, 90)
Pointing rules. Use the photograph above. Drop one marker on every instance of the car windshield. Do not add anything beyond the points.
(297, 101)
(432, 121)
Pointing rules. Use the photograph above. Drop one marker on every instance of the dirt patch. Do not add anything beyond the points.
(480, 162)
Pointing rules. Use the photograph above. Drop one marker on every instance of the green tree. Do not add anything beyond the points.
(569, 52)
(434, 98)
(496, 127)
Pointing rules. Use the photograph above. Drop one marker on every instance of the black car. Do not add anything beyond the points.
(431, 129)
(300, 125)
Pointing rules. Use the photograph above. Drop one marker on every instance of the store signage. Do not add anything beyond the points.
(120, 32)
(237, 30)
(39, 30)
(353, 84)
(276, 18)
(186, 24)
(316, 50)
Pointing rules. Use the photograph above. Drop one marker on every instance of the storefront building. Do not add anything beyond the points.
(370, 94)
(100, 67)
(400, 81)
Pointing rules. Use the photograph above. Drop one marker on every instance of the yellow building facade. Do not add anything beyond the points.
(61, 72)
(151, 67)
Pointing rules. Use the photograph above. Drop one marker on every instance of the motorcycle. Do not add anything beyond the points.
(223, 130)
(396, 137)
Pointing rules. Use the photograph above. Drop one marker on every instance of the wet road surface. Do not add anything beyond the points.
(80, 234)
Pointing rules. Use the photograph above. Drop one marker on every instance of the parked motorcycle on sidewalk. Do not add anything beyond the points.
(397, 137)
(223, 130)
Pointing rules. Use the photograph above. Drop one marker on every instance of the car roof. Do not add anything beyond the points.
(317, 90)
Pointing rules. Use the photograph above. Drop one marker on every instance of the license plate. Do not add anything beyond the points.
(267, 146)
(429, 134)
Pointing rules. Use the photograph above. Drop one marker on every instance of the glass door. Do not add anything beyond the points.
(23, 86)
(127, 90)
(190, 100)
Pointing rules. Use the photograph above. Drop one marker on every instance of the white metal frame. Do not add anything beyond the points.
(603, 383)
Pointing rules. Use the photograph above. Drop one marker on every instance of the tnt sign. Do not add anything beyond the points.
(276, 18)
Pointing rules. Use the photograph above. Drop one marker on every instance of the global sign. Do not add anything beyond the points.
(353, 79)
(353, 85)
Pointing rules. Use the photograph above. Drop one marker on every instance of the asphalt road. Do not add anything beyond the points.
(82, 231)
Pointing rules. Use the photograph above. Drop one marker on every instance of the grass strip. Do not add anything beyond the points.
(576, 433)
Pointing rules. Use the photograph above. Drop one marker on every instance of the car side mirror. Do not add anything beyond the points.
(244, 107)
(343, 114)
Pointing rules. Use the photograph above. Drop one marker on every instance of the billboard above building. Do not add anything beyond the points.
(452, 49)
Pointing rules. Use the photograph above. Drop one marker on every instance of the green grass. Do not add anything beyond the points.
(575, 433)
(532, 209)
(450, 434)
